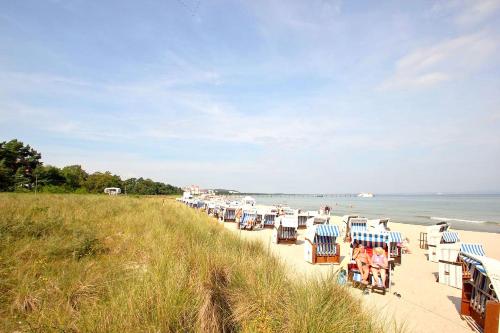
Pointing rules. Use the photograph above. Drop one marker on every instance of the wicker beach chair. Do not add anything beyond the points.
(302, 220)
(452, 268)
(355, 224)
(268, 219)
(285, 230)
(321, 244)
(229, 214)
(248, 220)
(435, 238)
(395, 246)
(370, 241)
(480, 304)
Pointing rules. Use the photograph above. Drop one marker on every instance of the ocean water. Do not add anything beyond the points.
(465, 212)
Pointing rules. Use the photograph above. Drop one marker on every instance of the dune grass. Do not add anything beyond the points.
(89, 263)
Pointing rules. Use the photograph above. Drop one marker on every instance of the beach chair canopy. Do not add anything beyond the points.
(487, 266)
(289, 221)
(395, 237)
(325, 238)
(450, 237)
(323, 230)
(370, 239)
(474, 249)
(357, 224)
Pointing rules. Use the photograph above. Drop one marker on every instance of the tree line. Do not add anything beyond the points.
(21, 170)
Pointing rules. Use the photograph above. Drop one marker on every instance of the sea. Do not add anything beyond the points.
(477, 212)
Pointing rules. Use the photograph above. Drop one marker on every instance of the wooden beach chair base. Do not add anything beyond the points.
(286, 240)
(327, 260)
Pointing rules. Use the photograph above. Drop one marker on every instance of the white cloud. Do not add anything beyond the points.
(447, 60)
(466, 12)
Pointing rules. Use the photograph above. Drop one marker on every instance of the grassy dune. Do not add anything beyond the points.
(86, 263)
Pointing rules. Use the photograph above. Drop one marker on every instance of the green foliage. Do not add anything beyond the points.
(75, 176)
(148, 187)
(22, 171)
(98, 181)
(17, 163)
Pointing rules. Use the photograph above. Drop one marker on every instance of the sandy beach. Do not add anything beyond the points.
(424, 305)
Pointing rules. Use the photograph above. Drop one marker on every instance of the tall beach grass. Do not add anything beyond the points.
(90, 263)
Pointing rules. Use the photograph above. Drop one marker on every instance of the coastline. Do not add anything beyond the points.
(480, 213)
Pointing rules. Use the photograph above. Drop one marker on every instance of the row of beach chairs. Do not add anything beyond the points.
(321, 241)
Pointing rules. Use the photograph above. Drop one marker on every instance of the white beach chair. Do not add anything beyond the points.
(451, 267)
(435, 238)
(268, 219)
(321, 244)
(355, 224)
(480, 303)
(285, 230)
(302, 220)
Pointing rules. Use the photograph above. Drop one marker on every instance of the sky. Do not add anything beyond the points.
(259, 96)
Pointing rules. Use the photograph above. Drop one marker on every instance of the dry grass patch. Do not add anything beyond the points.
(134, 264)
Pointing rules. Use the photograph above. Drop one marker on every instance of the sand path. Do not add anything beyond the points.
(424, 306)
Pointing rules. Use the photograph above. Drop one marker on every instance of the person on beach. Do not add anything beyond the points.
(379, 265)
(363, 262)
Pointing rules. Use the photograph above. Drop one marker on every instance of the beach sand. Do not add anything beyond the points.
(424, 306)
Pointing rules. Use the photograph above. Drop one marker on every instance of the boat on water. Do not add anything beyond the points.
(365, 195)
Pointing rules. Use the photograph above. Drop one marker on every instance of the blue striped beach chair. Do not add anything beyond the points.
(451, 268)
(480, 303)
(321, 244)
(269, 218)
(355, 224)
(248, 220)
(395, 245)
(229, 214)
(436, 238)
(370, 240)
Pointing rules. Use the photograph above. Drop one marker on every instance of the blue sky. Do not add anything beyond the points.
(268, 96)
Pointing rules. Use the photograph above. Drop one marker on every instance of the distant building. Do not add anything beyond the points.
(112, 190)
(193, 189)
